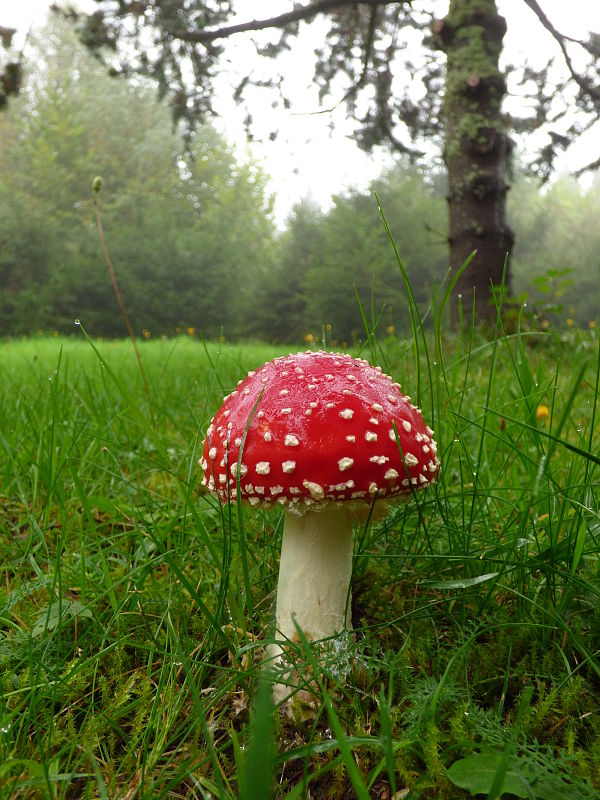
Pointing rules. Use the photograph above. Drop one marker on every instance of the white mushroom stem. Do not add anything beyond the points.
(314, 574)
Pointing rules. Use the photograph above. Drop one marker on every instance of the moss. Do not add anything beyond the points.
(473, 50)
(430, 745)
(462, 12)
(471, 126)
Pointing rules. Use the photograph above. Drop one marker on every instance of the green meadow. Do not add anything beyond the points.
(135, 611)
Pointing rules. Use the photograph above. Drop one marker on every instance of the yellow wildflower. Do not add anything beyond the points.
(543, 413)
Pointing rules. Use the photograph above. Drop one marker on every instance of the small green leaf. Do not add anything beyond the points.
(463, 583)
(476, 774)
(50, 618)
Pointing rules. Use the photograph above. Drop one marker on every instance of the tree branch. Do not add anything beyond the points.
(299, 14)
(561, 39)
(593, 165)
(368, 50)
(353, 90)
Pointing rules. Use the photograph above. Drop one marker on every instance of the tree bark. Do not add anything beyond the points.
(476, 152)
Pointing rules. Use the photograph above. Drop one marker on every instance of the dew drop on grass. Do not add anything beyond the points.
(77, 322)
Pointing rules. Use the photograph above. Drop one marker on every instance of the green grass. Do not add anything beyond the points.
(132, 630)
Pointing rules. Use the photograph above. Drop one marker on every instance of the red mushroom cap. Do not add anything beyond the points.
(320, 428)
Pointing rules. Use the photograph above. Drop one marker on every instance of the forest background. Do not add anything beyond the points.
(192, 234)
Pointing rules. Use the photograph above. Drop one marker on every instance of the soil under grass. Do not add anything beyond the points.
(132, 637)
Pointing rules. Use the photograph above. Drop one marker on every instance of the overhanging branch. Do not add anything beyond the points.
(299, 14)
(593, 165)
(561, 39)
(354, 89)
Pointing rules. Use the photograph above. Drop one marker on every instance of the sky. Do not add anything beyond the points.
(313, 154)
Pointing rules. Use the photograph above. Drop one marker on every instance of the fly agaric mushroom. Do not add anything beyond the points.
(323, 435)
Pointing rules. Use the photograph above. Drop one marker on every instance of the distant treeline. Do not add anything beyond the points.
(190, 228)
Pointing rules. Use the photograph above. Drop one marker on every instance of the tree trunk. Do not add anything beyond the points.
(476, 152)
